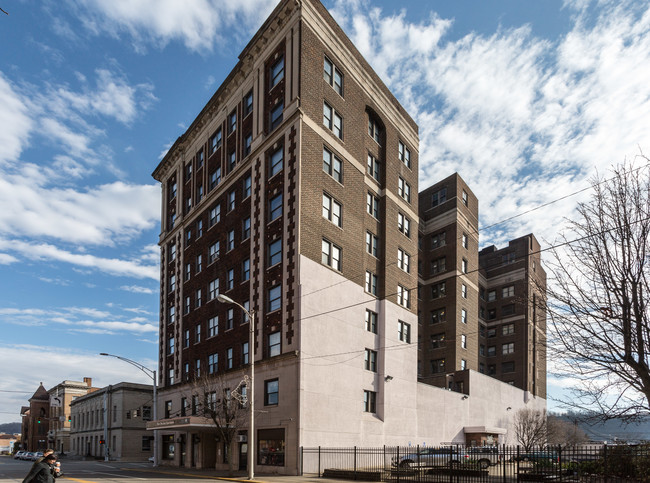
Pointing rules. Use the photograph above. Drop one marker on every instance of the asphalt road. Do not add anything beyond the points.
(102, 472)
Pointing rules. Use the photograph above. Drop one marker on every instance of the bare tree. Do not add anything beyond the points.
(530, 428)
(226, 407)
(599, 293)
(561, 432)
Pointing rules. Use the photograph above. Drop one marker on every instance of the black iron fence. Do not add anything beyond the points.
(587, 463)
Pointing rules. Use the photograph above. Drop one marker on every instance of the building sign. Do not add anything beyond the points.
(186, 422)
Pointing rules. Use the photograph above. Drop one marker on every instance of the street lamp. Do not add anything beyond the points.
(152, 374)
(251, 397)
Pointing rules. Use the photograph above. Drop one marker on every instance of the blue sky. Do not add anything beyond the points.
(526, 100)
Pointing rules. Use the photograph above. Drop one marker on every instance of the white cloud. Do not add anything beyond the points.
(138, 289)
(6, 259)
(15, 121)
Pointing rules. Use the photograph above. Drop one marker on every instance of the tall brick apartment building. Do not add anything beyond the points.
(294, 193)
(478, 310)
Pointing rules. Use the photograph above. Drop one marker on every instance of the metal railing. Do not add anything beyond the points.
(587, 463)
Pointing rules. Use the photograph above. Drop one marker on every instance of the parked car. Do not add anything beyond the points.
(427, 457)
(36, 455)
(27, 455)
(485, 455)
(18, 455)
(538, 456)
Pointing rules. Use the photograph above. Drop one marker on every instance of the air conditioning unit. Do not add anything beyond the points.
(242, 438)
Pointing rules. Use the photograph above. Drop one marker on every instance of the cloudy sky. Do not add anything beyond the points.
(526, 100)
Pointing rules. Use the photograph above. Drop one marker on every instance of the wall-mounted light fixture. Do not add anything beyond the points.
(508, 408)
(388, 378)
(465, 397)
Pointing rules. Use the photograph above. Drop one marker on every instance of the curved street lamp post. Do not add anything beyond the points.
(152, 374)
(251, 396)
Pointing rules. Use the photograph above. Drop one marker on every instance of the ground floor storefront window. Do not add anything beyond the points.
(270, 447)
(168, 447)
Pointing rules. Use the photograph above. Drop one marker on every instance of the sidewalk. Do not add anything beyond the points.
(242, 477)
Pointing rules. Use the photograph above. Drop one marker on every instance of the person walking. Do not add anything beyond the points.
(43, 472)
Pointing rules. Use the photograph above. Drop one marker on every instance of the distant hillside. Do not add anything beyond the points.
(10, 428)
(614, 430)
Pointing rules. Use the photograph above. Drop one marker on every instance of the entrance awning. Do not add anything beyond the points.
(186, 422)
(484, 430)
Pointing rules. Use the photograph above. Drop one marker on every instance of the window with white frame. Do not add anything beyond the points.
(438, 197)
(246, 228)
(463, 316)
(404, 331)
(374, 129)
(275, 344)
(188, 305)
(172, 283)
(463, 364)
(246, 269)
(213, 326)
(463, 291)
(332, 165)
(404, 189)
(464, 266)
(232, 121)
(404, 224)
(248, 103)
(371, 321)
(213, 289)
(333, 76)
(463, 341)
(369, 401)
(403, 260)
(332, 120)
(215, 215)
(215, 178)
(438, 315)
(370, 361)
(231, 200)
(438, 240)
(371, 283)
(230, 279)
(230, 318)
(438, 290)
(231, 240)
(465, 240)
(199, 299)
(438, 265)
(372, 244)
(372, 205)
(403, 296)
(213, 364)
(213, 252)
(229, 358)
(404, 154)
(508, 291)
(508, 348)
(332, 209)
(197, 333)
(508, 329)
(464, 197)
(331, 255)
(374, 167)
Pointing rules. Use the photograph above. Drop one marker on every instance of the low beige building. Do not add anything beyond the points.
(61, 396)
(110, 423)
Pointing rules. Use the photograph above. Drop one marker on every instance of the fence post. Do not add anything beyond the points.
(606, 469)
(397, 461)
(302, 460)
(503, 466)
(418, 468)
(319, 461)
(559, 458)
(355, 462)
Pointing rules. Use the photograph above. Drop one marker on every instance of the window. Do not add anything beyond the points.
(404, 154)
(492, 295)
(276, 115)
(170, 346)
(332, 165)
(275, 207)
(481, 350)
(232, 121)
(369, 401)
(508, 329)
(188, 203)
(199, 193)
(197, 368)
(186, 338)
(215, 215)
(168, 409)
(464, 266)
(213, 252)
(492, 369)
(404, 331)
(463, 341)
(438, 340)
(507, 367)
(188, 237)
(230, 279)
(332, 209)
(187, 306)
(372, 205)
(246, 228)
(184, 403)
(372, 243)
(508, 348)
(199, 228)
(277, 72)
(332, 120)
(404, 224)
(213, 289)
(215, 141)
(248, 143)
(371, 321)
(275, 344)
(199, 263)
(438, 265)
(230, 319)
(438, 366)
(438, 315)
(331, 255)
(492, 351)
(403, 260)
(213, 326)
(492, 314)
(508, 258)
(188, 171)
(438, 290)
(244, 353)
(274, 298)
(232, 160)
(464, 197)
(172, 252)
(438, 197)
(491, 333)
(275, 252)
(463, 365)
(213, 363)
(172, 283)
(371, 283)
(508, 309)
(244, 315)
(373, 167)
(231, 200)
(371, 360)
(404, 189)
(215, 178)
(465, 240)
(463, 291)
(229, 358)
(463, 316)
(197, 334)
(374, 130)
(271, 392)
(246, 190)
(246, 270)
(508, 291)
(248, 104)
(172, 190)
(333, 76)
(438, 240)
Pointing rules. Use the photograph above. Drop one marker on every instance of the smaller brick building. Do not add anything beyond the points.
(35, 421)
